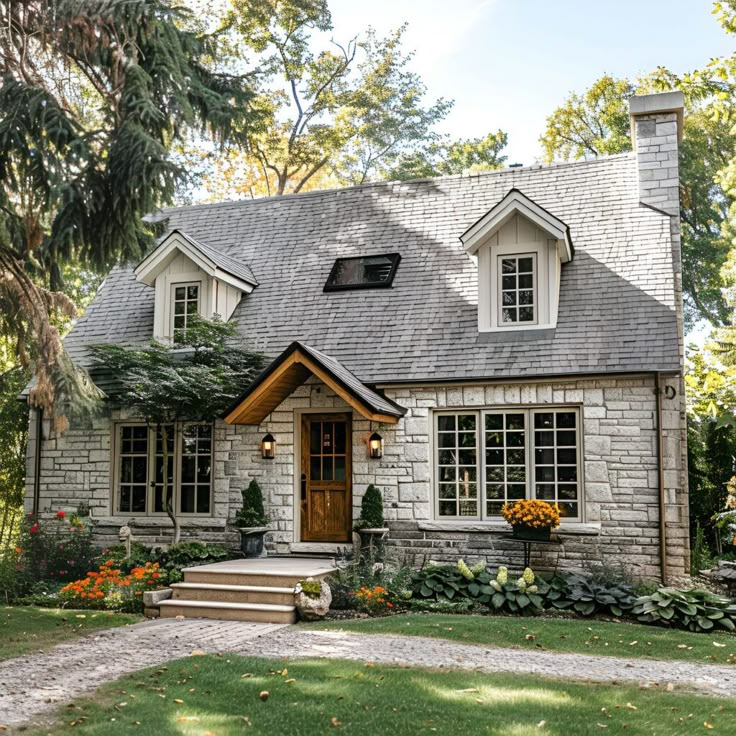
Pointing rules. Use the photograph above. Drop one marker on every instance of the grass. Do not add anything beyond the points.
(24, 629)
(221, 695)
(553, 634)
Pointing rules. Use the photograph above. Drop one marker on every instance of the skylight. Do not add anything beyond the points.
(363, 272)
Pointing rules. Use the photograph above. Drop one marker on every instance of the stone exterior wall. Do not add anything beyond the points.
(619, 443)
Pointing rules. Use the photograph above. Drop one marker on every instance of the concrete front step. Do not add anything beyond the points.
(226, 577)
(258, 612)
(233, 593)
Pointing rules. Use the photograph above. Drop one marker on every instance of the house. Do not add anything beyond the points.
(458, 342)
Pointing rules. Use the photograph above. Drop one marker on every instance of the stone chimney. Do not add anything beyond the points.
(656, 131)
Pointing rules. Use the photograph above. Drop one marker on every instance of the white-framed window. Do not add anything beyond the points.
(138, 480)
(517, 289)
(487, 457)
(185, 301)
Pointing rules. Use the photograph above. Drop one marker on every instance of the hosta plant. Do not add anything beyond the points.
(439, 582)
(695, 610)
(587, 595)
(523, 595)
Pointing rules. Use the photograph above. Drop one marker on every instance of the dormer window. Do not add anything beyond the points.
(520, 249)
(185, 304)
(191, 277)
(517, 301)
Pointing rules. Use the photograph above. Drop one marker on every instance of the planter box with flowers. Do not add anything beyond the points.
(532, 519)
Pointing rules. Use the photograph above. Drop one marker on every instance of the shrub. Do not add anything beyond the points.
(110, 588)
(695, 610)
(57, 549)
(395, 579)
(374, 601)
(524, 595)
(139, 556)
(371, 509)
(252, 513)
(188, 554)
(310, 588)
(439, 582)
(588, 595)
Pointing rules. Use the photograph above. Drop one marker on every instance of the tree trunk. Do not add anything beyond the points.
(168, 494)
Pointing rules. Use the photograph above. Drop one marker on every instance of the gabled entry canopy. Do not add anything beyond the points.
(290, 370)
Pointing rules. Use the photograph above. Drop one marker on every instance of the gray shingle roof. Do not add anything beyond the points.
(223, 261)
(617, 299)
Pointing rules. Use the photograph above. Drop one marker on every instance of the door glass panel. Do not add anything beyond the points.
(339, 468)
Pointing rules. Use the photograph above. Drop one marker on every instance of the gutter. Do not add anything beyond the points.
(660, 482)
(37, 462)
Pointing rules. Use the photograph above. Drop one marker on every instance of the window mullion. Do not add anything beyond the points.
(482, 466)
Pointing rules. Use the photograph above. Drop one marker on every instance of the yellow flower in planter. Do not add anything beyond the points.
(531, 512)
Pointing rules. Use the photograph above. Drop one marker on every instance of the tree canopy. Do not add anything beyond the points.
(93, 94)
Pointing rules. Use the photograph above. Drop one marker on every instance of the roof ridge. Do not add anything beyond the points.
(399, 182)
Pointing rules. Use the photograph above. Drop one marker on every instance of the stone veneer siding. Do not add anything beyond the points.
(620, 484)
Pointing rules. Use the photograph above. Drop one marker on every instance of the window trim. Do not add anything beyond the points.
(480, 411)
(500, 291)
(388, 283)
(173, 286)
(150, 491)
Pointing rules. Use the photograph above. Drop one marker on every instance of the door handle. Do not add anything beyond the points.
(304, 486)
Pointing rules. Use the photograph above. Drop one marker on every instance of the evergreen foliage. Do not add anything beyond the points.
(252, 513)
(371, 509)
(93, 96)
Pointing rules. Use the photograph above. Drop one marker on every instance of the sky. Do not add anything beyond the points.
(509, 63)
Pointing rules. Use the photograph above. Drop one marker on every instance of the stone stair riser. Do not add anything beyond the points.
(270, 617)
(233, 596)
(235, 578)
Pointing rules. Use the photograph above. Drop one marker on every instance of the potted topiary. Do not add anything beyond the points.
(251, 521)
(370, 525)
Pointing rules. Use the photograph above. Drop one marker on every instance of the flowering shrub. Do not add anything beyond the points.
(373, 600)
(353, 577)
(533, 513)
(525, 594)
(57, 549)
(109, 587)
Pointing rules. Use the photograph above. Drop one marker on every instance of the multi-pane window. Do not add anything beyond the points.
(328, 450)
(517, 290)
(185, 304)
(505, 442)
(457, 464)
(486, 458)
(196, 468)
(139, 469)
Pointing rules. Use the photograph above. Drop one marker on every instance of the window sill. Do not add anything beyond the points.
(573, 528)
(158, 521)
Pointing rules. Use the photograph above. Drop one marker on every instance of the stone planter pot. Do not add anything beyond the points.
(531, 533)
(251, 540)
(372, 541)
(314, 608)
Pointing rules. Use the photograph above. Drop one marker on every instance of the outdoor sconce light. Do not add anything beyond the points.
(268, 447)
(375, 446)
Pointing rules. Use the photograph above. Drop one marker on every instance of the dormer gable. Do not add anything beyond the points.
(519, 249)
(191, 277)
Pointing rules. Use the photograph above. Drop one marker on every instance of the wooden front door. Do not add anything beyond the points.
(326, 498)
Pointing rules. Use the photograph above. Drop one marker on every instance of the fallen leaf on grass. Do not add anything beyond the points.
(178, 701)
(631, 707)
(290, 680)
(541, 724)
(184, 719)
(707, 725)
(717, 644)
(264, 695)
(198, 653)
(335, 722)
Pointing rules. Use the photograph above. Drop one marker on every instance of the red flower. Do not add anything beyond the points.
(33, 529)
(18, 550)
(60, 514)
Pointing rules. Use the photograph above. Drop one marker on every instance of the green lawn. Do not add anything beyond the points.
(222, 695)
(554, 634)
(24, 629)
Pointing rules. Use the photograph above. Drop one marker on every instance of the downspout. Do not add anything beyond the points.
(660, 480)
(37, 462)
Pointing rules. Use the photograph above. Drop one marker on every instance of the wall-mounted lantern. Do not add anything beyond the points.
(268, 447)
(375, 446)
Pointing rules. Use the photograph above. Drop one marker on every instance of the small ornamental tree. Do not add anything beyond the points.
(195, 380)
(371, 509)
(252, 513)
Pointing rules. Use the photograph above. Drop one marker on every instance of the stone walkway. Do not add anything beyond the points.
(34, 685)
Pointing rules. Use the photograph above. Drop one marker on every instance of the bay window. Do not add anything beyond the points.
(139, 464)
(486, 458)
